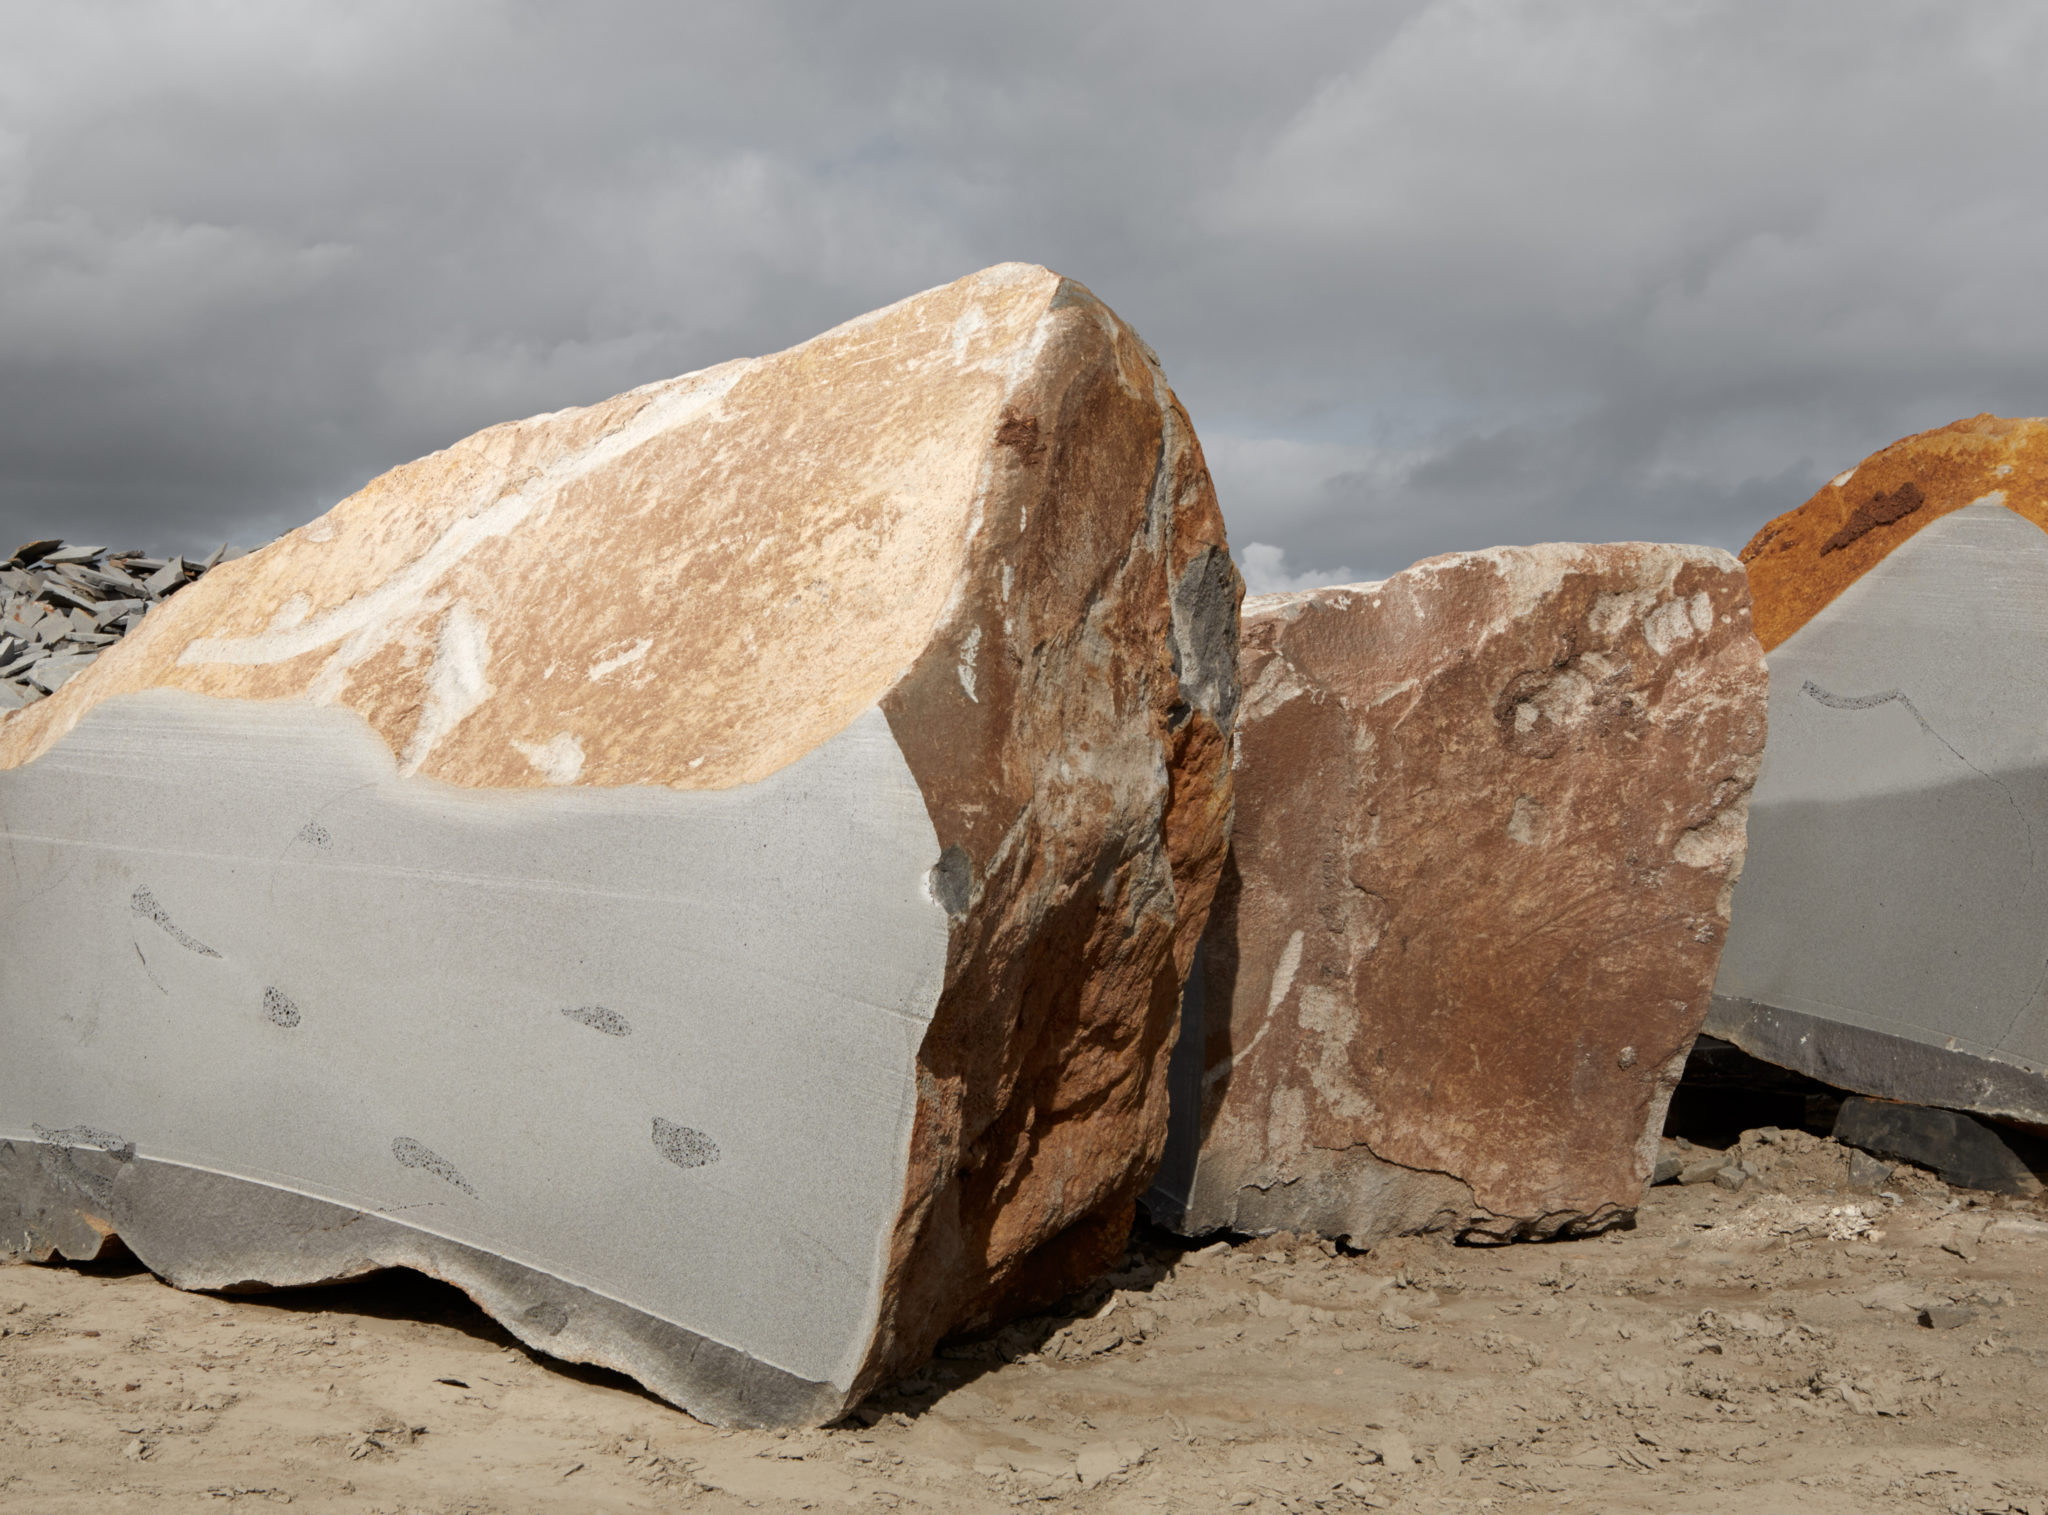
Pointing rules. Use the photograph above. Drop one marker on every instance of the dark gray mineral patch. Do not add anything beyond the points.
(413, 1155)
(683, 1146)
(598, 1018)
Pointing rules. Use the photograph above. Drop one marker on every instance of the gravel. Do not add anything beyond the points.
(62, 604)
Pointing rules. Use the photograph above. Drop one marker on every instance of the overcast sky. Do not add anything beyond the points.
(1427, 275)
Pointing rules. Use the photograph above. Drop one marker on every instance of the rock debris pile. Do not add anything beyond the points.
(61, 605)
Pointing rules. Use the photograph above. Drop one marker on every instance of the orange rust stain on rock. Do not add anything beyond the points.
(1802, 559)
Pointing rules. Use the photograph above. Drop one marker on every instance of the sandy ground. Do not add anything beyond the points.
(1798, 1345)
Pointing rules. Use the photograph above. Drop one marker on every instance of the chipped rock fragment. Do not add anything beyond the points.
(1887, 931)
(710, 874)
(1489, 814)
(1946, 1317)
(1866, 1172)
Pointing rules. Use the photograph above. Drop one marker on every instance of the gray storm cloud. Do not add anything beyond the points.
(1428, 275)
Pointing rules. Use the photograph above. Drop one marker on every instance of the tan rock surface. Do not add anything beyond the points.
(1490, 812)
(974, 528)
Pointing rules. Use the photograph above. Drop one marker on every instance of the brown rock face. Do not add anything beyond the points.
(969, 539)
(1804, 558)
(1085, 786)
(1490, 812)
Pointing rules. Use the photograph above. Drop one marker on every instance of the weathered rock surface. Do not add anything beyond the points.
(1489, 813)
(709, 874)
(1887, 933)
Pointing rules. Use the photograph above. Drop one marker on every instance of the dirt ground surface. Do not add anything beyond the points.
(1799, 1345)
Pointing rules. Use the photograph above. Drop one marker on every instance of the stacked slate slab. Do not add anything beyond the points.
(62, 605)
(1489, 812)
(1888, 932)
(709, 874)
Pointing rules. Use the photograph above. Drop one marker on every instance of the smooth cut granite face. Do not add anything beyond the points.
(647, 1042)
(1898, 864)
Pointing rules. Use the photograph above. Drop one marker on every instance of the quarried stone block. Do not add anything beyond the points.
(1888, 930)
(709, 874)
(1489, 812)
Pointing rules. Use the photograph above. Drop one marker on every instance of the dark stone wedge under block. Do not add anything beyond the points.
(1961, 1151)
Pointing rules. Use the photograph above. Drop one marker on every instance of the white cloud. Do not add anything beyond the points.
(1264, 567)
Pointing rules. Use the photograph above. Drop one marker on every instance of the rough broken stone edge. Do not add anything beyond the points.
(72, 1201)
(1171, 1196)
(1879, 1063)
(1466, 1221)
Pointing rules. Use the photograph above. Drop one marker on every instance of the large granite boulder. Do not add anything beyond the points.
(709, 874)
(1489, 813)
(1888, 934)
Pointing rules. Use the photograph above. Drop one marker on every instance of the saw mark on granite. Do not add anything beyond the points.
(1886, 697)
(20, 901)
(144, 903)
(313, 834)
(147, 969)
(2032, 999)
